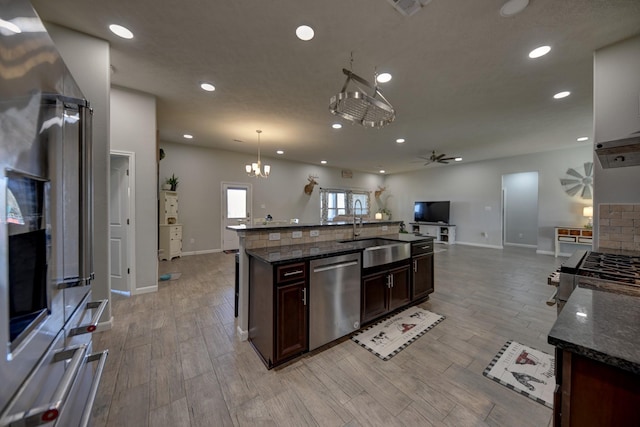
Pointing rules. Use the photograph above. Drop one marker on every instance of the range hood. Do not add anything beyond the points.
(619, 153)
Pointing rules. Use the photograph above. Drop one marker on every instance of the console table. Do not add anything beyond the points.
(572, 235)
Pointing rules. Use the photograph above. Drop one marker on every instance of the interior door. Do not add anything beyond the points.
(118, 224)
(236, 209)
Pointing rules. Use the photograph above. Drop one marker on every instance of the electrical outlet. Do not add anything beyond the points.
(274, 236)
(314, 233)
(385, 228)
(296, 235)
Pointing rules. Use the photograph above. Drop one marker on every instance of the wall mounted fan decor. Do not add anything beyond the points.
(436, 158)
(579, 180)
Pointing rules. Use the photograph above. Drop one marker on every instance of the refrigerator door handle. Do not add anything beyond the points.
(86, 197)
(49, 412)
(91, 327)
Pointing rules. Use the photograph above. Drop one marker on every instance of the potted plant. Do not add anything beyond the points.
(386, 213)
(173, 182)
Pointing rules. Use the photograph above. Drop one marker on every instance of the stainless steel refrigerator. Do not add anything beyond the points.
(48, 373)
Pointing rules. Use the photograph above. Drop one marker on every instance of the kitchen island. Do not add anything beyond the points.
(597, 343)
(280, 266)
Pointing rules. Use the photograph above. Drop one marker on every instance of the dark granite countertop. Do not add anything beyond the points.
(293, 253)
(277, 225)
(602, 326)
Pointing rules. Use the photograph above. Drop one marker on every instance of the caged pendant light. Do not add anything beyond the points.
(255, 169)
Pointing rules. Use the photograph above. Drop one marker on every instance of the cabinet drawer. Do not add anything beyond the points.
(175, 246)
(588, 233)
(585, 240)
(563, 231)
(287, 273)
(574, 232)
(566, 238)
(421, 248)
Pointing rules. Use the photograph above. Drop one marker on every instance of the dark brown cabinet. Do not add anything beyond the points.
(278, 310)
(291, 320)
(422, 276)
(385, 291)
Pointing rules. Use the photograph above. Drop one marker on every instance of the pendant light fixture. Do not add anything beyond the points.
(255, 169)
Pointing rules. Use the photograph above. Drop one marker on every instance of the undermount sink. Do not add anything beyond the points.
(377, 251)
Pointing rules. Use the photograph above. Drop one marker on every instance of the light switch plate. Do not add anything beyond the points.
(296, 234)
(314, 233)
(274, 236)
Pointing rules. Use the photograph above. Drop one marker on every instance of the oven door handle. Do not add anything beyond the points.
(49, 412)
(91, 327)
(102, 359)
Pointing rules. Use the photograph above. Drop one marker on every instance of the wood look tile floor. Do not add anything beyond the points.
(175, 359)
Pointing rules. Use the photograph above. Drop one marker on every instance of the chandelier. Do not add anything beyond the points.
(255, 169)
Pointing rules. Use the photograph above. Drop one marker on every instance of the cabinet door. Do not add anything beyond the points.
(291, 320)
(375, 294)
(400, 291)
(422, 276)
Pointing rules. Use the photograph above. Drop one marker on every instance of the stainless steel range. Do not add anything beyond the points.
(616, 272)
(46, 216)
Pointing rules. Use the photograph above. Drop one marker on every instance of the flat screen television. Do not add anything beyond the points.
(431, 212)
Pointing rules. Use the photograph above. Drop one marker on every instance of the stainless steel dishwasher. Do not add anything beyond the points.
(334, 298)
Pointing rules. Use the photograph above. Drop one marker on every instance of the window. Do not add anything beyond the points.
(340, 202)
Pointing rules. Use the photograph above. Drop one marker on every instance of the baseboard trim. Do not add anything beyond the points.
(206, 251)
(480, 245)
(242, 334)
(145, 290)
(541, 252)
(521, 245)
(105, 326)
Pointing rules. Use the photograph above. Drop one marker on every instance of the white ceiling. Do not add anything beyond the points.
(462, 81)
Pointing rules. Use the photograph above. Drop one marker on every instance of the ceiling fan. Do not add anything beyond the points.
(436, 158)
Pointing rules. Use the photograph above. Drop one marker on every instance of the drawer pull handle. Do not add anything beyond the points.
(291, 273)
(85, 329)
(50, 411)
(102, 359)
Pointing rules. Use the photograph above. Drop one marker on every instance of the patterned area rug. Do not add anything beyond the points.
(388, 337)
(525, 370)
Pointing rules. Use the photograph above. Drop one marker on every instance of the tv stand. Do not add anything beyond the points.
(441, 233)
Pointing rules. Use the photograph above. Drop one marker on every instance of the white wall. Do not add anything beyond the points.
(88, 60)
(474, 190)
(616, 99)
(201, 170)
(133, 129)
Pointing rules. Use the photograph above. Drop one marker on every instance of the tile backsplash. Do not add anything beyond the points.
(619, 226)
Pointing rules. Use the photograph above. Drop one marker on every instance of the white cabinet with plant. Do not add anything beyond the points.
(170, 236)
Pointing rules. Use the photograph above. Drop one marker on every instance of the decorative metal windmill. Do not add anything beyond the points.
(576, 182)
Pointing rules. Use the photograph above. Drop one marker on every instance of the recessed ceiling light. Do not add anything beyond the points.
(121, 31)
(304, 32)
(279, 152)
(382, 171)
(208, 87)
(336, 126)
(513, 7)
(582, 139)
(383, 78)
(561, 95)
(458, 159)
(400, 140)
(187, 136)
(539, 51)
(324, 162)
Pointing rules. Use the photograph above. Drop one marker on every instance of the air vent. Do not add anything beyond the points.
(408, 7)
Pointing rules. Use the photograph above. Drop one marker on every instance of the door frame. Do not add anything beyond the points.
(223, 205)
(131, 230)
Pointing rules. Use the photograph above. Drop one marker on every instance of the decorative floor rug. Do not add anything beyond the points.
(170, 276)
(525, 370)
(388, 337)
